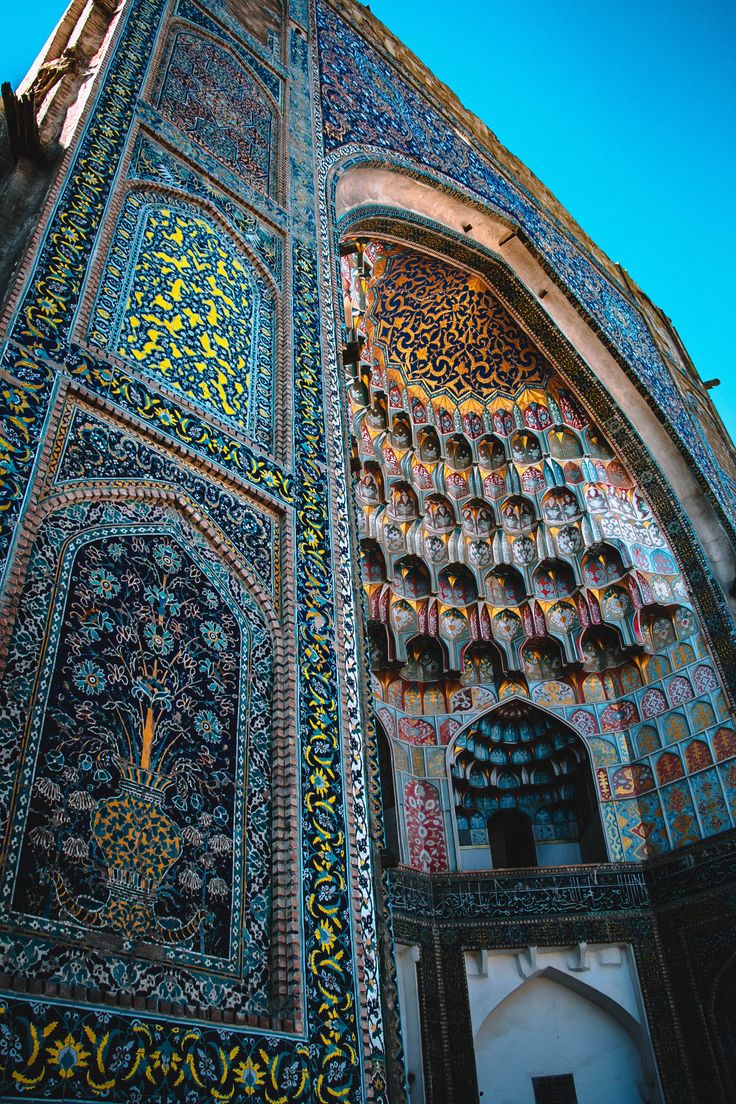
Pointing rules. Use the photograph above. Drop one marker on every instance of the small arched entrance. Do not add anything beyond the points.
(523, 791)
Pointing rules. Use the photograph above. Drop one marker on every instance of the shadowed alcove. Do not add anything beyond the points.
(388, 796)
(523, 791)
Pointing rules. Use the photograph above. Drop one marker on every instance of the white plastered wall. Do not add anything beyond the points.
(544, 1012)
(359, 186)
(406, 970)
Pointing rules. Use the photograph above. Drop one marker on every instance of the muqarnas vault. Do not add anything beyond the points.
(368, 552)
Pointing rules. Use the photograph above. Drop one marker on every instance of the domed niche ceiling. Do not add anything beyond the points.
(521, 782)
(508, 552)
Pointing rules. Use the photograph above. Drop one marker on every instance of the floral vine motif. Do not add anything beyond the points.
(180, 424)
(328, 946)
(75, 1053)
(152, 162)
(25, 393)
(141, 728)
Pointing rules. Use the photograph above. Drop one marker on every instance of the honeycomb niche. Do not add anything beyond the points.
(509, 553)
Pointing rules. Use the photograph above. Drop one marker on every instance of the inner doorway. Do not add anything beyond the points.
(511, 839)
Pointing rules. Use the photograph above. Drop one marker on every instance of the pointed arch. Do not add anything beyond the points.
(114, 578)
(519, 757)
(544, 519)
(208, 92)
(635, 1030)
(183, 300)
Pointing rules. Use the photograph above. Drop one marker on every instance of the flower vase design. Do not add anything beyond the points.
(128, 826)
(140, 843)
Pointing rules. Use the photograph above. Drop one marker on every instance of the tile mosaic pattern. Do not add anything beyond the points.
(180, 424)
(128, 756)
(151, 162)
(83, 1047)
(710, 802)
(216, 18)
(155, 1053)
(210, 95)
(27, 388)
(425, 830)
(468, 342)
(92, 1053)
(95, 449)
(179, 302)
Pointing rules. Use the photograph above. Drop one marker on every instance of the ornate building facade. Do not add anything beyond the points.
(368, 554)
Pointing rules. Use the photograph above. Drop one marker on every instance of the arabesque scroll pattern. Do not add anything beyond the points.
(206, 92)
(180, 303)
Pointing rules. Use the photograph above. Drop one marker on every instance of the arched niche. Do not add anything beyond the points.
(491, 453)
(383, 200)
(209, 94)
(459, 453)
(428, 442)
(411, 578)
(600, 648)
(525, 447)
(148, 748)
(472, 520)
(598, 1050)
(402, 503)
(373, 564)
(563, 444)
(380, 646)
(401, 435)
(523, 790)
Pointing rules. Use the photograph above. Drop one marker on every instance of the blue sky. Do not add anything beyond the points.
(626, 111)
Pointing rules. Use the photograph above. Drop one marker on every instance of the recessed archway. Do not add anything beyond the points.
(381, 201)
(564, 1034)
(523, 791)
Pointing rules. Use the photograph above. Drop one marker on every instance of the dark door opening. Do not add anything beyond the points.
(511, 839)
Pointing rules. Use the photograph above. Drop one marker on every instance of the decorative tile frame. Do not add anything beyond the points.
(45, 949)
(259, 1059)
(207, 31)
